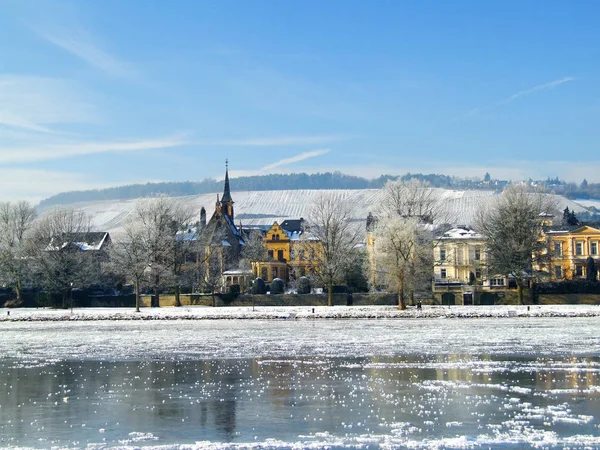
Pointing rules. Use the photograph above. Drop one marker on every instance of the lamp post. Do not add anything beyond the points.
(71, 297)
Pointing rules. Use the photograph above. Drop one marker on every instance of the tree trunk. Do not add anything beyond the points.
(177, 295)
(156, 298)
(214, 301)
(401, 300)
(19, 291)
(137, 295)
(412, 298)
(520, 293)
(330, 294)
(65, 297)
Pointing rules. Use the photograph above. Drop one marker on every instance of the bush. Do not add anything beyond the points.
(303, 285)
(234, 289)
(277, 286)
(567, 287)
(259, 287)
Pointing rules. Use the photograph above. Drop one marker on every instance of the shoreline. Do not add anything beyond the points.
(192, 313)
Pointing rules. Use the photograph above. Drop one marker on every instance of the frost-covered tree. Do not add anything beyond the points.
(331, 238)
(407, 220)
(130, 259)
(157, 221)
(253, 250)
(515, 241)
(59, 261)
(16, 220)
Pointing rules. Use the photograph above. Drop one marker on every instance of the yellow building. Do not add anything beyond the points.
(291, 252)
(460, 273)
(569, 251)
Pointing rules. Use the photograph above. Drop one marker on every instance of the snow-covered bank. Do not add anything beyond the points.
(299, 313)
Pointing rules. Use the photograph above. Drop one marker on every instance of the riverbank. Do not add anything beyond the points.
(297, 313)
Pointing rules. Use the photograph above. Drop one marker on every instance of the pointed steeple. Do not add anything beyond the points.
(226, 190)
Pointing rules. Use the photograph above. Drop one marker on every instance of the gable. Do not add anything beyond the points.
(586, 230)
(276, 233)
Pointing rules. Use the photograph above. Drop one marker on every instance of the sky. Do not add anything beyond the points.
(102, 93)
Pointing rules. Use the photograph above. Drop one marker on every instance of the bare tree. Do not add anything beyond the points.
(158, 221)
(254, 250)
(15, 222)
(514, 236)
(332, 236)
(408, 218)
(56, 248)
(130, 259)
(403, 252)
(412, 198)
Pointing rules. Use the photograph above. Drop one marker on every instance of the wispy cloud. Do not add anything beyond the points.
(540, 87)
(32, 103)
(281, 165)
(275, 141)
(297, 158)
(47, 152)
(81, 46)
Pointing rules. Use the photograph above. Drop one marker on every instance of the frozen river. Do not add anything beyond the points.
(426, 383)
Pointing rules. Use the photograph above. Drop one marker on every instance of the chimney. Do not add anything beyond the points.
(202, 218)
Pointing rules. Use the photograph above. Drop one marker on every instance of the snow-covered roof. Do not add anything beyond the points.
(84, 241)
(462, 233)
(237, 272)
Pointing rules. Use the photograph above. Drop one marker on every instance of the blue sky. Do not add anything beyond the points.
(100, 93)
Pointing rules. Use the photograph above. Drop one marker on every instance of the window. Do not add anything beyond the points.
(275, 237)
(558, 248)
(558, 273)
(477, 254)
(270, 253)
(442, 254)
(497, 282)
(443, 273)
(579, 248)
(280, 255)
(579, 271)
(293, 254)
(478, 273)
(593, 248)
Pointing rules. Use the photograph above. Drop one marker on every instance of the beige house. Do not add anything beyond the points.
(460, 274)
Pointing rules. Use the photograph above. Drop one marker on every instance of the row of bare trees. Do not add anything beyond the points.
(410, 218)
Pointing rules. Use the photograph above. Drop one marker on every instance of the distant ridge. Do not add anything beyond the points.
(273, 182)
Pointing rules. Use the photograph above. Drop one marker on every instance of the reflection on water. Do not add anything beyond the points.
(449, 400)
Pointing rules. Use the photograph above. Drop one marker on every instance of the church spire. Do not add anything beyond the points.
(226, 191)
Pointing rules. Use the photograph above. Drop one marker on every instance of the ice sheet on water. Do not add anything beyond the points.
(40, 342)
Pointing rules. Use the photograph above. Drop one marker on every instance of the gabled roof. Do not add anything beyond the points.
(585, 229)
(292, 225)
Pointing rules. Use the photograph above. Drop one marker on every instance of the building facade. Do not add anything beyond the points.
(460, 272)
(569, 250)
(292, 252)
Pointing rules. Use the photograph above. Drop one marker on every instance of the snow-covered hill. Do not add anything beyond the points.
(265, 207)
